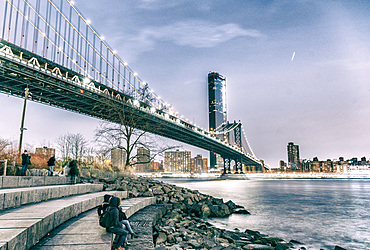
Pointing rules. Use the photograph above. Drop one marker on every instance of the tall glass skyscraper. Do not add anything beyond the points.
(293, 156)
(216, 106)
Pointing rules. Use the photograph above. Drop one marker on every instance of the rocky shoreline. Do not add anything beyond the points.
(185, 226)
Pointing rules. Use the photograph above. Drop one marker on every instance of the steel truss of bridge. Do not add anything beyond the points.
(57, 86)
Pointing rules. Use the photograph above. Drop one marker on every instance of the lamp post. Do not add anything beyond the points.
(22, 122)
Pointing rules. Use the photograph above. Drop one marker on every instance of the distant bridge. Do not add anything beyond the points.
(51, 49)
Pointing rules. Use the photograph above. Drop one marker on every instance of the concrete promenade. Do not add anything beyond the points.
(84, 232)
(38, 212)
(40, 209)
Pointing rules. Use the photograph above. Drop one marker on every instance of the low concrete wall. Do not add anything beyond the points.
(10, 198)
(22, 228)
(32, 181)
(131, 206)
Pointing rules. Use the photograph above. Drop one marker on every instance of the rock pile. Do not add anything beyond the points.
(192, 201)
(179, 230)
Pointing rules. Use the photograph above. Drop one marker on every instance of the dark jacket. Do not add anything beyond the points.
(26, 159)
(105, 205)
(51, 161)
(73, 168)
(113, 210)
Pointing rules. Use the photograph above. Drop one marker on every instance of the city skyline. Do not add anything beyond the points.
(295, 71)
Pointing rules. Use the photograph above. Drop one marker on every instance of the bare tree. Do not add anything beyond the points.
(3, 144)
(78, 145)
(129, 130)
(9, 149)
(64, 145)
(72, 145)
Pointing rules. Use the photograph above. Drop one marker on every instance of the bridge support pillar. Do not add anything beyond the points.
(227, 165)
(238, 166)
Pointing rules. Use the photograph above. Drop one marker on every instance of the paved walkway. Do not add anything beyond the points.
(84, 232)
(22, 227)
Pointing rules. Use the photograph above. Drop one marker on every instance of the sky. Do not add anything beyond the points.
(296, 71)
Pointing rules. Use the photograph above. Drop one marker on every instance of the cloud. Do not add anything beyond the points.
(158, 4)
(197, 34)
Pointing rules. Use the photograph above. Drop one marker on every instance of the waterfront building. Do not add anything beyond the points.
(143, 160)
(177, 161)
(282, 165)
(217, 109)
(315, 165)
(45, 151)
(205, 165)
(293, 156)
(91, 159)
(118, 158)
(305, 165)
(327, 166)
(156, 166)
(197, 164)
(339, 166)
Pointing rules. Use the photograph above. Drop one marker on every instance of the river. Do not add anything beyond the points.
(321, 213)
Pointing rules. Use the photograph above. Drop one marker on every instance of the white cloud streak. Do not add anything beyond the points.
(158, 4)
(197, 34)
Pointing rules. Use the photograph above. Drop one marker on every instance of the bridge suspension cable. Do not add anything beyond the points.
(248, 149)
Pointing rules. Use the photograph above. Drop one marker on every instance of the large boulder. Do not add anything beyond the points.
(188, 202)
(157, 191)
(148, 193)
(220, 210)
(205, 211)
(166, 189)
(231, 205)
(161, 238)
(196, 209)
(240, 211)
(217, 201)
(134, 192)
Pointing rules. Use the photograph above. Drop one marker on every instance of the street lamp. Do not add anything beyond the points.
(22, 122)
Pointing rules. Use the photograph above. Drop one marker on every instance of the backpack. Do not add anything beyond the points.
(106, 220)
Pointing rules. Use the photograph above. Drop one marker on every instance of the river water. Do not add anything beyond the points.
(321, 213)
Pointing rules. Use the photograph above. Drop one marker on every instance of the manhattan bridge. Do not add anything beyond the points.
(48, 48)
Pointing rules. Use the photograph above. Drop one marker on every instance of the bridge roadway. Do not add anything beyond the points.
(60, 87)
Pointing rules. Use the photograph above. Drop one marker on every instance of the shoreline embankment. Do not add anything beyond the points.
(185, 225)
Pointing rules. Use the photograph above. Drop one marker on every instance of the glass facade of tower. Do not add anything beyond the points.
(216, 100)
(216, 106)
(293, 156)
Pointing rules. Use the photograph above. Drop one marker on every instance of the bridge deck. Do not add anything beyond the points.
(60, 88)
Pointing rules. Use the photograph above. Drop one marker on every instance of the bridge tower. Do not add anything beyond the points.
(238, 141)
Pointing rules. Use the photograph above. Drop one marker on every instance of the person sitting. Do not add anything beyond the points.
(120, 240)
(122, 216)
(124, 220)
(103, 207)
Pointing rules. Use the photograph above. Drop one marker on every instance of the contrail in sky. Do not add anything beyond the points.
(293, 56)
